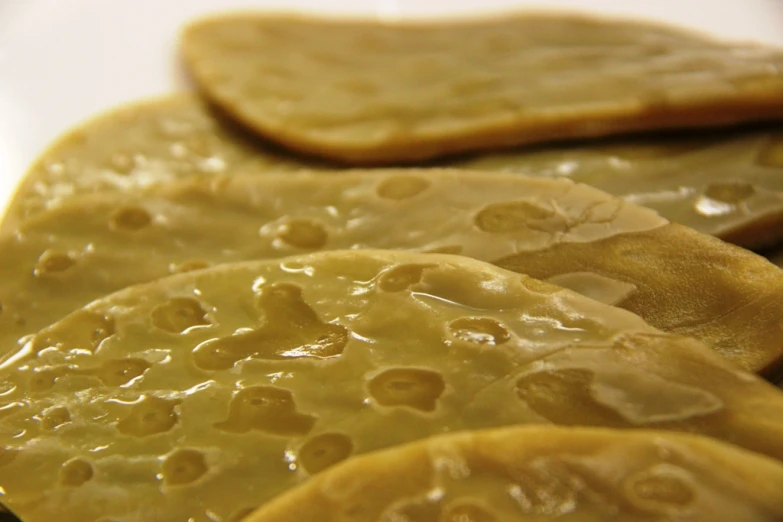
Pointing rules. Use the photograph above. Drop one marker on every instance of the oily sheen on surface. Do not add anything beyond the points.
(728, 184)
(369, 91)
(211, 392)
(570, 234)
(138, 146)
(535, 474)
(725, 184)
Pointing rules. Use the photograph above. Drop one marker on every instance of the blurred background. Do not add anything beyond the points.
(64, 60)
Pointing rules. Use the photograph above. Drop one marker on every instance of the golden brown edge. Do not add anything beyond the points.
(347, 473)
(757, 105)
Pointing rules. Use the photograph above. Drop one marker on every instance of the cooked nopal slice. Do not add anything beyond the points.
(534, 474)
(138, 146)
(215, 390)
(728, 184)
(369, 91)
(573, 235)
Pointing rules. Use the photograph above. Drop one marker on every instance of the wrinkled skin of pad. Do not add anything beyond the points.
(728, 185)
(140, 146)
(385, 92)
(219, 389)
(708, 274)
(535, 474)
(572, 235)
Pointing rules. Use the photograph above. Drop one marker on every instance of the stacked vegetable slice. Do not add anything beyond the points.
(216, 314)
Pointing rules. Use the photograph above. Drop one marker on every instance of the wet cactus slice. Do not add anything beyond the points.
(379, 92)
(569, 234)
(728, 184)
(212, 391)
(138, 146)
(542, 473)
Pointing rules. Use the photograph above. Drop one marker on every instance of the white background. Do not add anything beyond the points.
(61, 61)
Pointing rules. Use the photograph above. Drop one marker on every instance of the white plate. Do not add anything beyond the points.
(62, 61)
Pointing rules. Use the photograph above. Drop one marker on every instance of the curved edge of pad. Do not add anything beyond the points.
(758, 104)
(413, 469)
